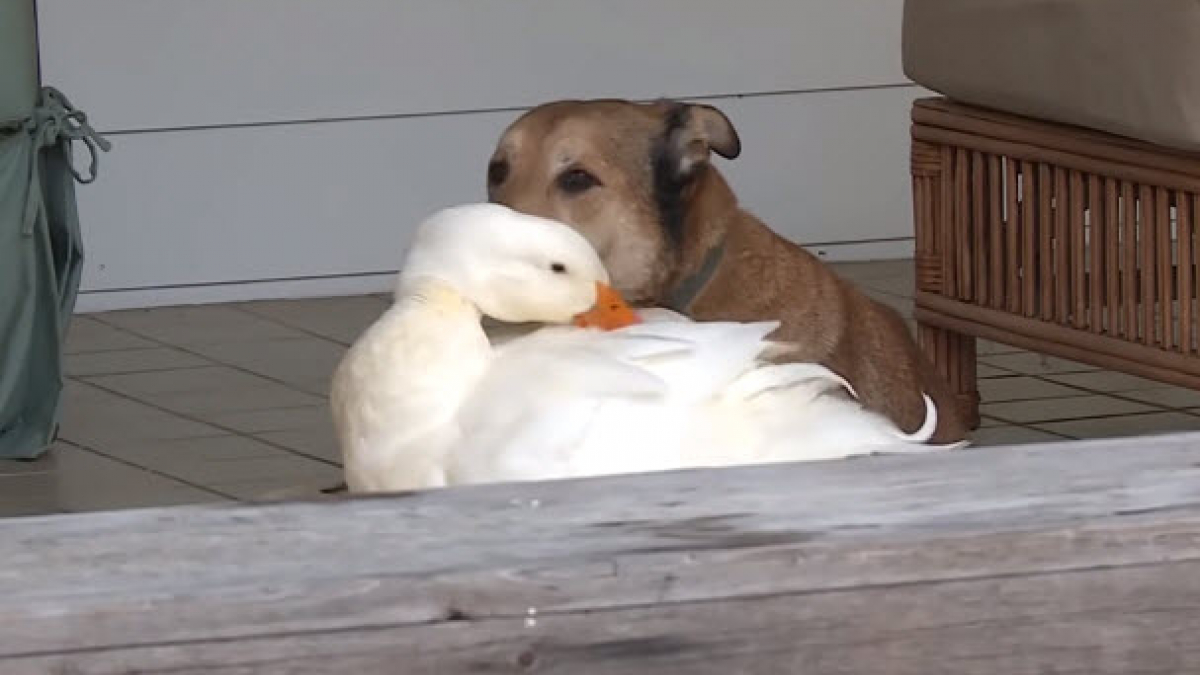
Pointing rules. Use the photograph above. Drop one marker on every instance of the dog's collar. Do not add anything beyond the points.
(686, 291)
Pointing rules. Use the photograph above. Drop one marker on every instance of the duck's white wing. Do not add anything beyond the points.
(568, 402)
(538, 402)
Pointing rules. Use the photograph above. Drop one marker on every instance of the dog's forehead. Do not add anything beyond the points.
(594, 132)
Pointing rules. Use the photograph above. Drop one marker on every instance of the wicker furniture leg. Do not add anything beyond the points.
(952, 353)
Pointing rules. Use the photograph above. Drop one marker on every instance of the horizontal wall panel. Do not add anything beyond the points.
(152, 64)
(826, 168)
(251, 203)
(300, 201)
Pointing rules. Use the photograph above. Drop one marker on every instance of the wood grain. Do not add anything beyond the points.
(996, 227)
(1012, 255)
(1066, 558)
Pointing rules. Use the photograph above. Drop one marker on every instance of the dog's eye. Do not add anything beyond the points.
(497, 172)
(558, 268)
(576, 181)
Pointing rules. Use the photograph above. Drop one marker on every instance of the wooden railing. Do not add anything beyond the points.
(1065, 558)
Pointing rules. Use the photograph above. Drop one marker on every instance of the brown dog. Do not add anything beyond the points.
(636, 180)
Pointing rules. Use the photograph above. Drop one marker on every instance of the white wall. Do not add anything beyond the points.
(268, 148)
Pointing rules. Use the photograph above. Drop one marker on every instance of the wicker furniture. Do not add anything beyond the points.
(1056, 239)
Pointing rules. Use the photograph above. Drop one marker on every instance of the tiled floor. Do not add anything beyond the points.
(227, 402)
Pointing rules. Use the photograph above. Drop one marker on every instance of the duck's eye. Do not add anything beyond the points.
(497, 172)
(576, 181)
(558, 268)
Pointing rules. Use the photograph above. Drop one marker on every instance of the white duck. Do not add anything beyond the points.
(423, 399)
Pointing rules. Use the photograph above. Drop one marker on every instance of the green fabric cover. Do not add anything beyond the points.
(40, 262)
(18, 58)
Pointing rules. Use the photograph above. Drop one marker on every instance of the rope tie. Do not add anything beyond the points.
(54, 119)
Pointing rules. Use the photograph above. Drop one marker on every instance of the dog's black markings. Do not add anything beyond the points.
(497, 172)
(669, 185)
(668, 180)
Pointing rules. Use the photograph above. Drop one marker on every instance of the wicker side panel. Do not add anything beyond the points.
(1081, 249)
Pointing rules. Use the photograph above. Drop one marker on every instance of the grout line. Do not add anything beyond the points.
(120, 460)
(145, 371)
(1076, 419)
(1161, 408)
(229, 431)
(246, 371)
(1059, 434)
(300, 329)
(1026, 426)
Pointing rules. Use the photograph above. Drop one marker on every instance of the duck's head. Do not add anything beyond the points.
(515, 267)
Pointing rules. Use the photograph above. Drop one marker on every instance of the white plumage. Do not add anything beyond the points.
(423, 399)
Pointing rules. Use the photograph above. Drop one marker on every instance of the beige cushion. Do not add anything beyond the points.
(1129, 67)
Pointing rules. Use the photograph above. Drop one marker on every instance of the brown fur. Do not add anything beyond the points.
(657, 208)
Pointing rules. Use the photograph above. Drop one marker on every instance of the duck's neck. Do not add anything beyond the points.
(404, 380)
(436, 298)
(443, 329)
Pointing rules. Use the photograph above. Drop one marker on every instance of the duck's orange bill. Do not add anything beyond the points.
(610, 311)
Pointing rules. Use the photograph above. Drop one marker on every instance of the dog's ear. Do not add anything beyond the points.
(691, 132)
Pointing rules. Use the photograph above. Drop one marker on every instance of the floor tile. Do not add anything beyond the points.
(26, 467)
(1031, 363)
(284, 488)
(130, 361)
(985, 371)
(1076, 407)
(97, 418)
(275, 419)
(1125, 425)
(339, 319)
(1170, 397)
(987, 347)
(197, 325)
(84, 481)
(220, 460)
(1022, 387)
(88, 335)
(306, 364)
(183, 452)
(1011, 435)
(318, 442)
(214, 377)
(205, 392)
(1105, 380)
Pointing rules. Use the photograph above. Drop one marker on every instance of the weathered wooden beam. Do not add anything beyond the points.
(1067, 558)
